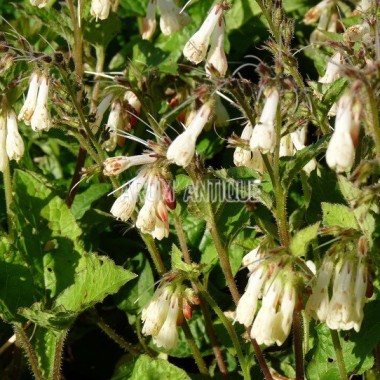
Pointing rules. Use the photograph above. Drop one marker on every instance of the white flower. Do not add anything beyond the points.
(267, 327)
(133, 101)
(161, 229)
(14, 144)
(286, 146)
(29, 106)
(313, 14)
(242, 157)
(116, 165)
(155, 313)
(146, 219)
(3, 136)
(196, 48)
(264, 134)
(149, 23)
(168, 334)
(288, 302)
(364, 6)
(252, 259)
(216, 58)
(171, 20)
(113, 126)
(125, 204)
(341, 312)
(299, 138)
(41, 119)
(182, 149)
(360, 289)
(318, 303)
(100, 9)
(39, 3)
(340, 154)
(332, 69)
(359, 32)
(247, 305)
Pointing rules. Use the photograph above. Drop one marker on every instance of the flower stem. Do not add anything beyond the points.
(375, 119)
(154, 253)
(58, 356)
(194, 349)
(227, 324)
(298, 351)
(205, 311)
(31, 355)
(339, 354)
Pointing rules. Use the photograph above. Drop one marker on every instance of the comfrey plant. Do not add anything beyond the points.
(197, 179)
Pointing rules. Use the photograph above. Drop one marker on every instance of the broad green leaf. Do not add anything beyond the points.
(177, 260)
(101, 32)
(139, 291)
(16, 282)
(302, 239)
(338, 215)
(84, 200)
(150, 369)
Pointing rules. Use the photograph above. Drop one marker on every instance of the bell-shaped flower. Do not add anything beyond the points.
(341, 312)
(171, 20)
(286, 146)
(149, 23)
(146, 219)
(253, 259)
(216, 58)
(182, 149)
(313, 14)
(264, 134)
(30, 103)
(14, 143)
(155, 313)
(246, 308)
(41, 119)
(113, 126)
(168, 334)
(125, 204)
(288, 303)
(332, 69)
(115, 165)
(100, 9)
(318, 303)
(196, 48)
(360, 289)
(242, 157)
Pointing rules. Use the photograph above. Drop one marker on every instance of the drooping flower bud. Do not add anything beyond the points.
(14, 143)
(332, 69)
(314, 13)
(242, 157)
(182, 149)
(116, 165)
(113, 126)
(29, 106)
(196, 48)
(216, 58)
(149, 23)
(171, 20)
(286, 146)
(264, 135)
(41, 119)
(100, 9)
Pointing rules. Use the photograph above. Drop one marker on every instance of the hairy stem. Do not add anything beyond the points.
(339, 354)
(58, 356)
(128, 347)
(31, 355)
(154, 253)
(194, 349)
(205, 311)
(375, 119)
(298, 351)
(7, 179)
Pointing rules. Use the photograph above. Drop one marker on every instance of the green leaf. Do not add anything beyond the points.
(16, 282)
(101, 32)
(323, 365)
(338, 215)
(84, 200)
(302, 239)
(150, 369)
(177, 260)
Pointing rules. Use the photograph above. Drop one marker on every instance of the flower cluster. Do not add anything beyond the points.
(170, 304)
(212, 29)
(172, 19)
(344, 309)
(273, 282)
(11, 143)
(35, 111)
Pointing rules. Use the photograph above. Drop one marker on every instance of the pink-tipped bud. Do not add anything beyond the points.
(168, 194)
